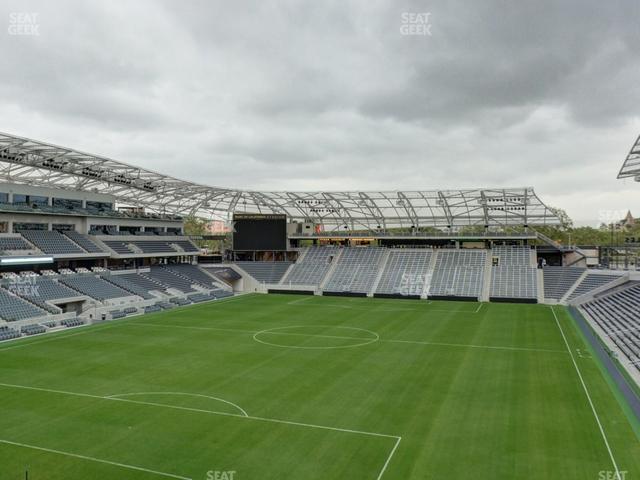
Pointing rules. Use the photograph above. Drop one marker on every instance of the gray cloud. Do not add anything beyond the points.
(279, 95)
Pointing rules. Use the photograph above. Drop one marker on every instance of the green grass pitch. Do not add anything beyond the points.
(294, 387)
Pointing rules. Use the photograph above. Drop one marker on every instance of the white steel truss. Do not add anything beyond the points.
(40, 164)
(631, 165)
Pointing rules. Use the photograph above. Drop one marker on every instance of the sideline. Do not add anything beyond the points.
(620, 384)
(586, 391)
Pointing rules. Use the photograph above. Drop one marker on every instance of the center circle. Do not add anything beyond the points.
(316, 337)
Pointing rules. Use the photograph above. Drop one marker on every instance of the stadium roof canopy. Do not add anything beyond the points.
(40, 164)
(631, 165)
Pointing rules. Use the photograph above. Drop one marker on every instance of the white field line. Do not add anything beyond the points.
(388, 309)
(184, 394)
(386, 464)
(464, 345)
(93, 459)
(372, 309)
(274, 331)
(188, 327)
(116, 398)
(300, 300)
(586, 391)
(416, 342)
(225, 414)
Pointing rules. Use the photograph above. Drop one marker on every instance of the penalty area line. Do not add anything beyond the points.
(386, 464)
(93, 459)
(176, 407)
(211, 412)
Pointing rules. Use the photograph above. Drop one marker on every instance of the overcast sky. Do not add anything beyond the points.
(335, 95)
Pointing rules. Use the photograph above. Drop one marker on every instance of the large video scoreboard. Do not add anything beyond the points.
(256, 232)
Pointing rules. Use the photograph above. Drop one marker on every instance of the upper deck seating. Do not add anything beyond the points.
(84, 241)
(51, 242)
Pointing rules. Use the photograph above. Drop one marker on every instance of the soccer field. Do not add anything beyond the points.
(296, 387)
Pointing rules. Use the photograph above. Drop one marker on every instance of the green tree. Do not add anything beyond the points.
(194, 225)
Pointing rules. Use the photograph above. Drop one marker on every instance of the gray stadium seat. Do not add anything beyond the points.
(265, 272)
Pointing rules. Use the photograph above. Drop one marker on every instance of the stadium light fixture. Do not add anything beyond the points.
(25, 260)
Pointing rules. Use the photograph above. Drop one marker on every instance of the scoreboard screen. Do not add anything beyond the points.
(255, 232)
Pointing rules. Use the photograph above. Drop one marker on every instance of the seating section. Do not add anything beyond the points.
(220, 294)
(152, 309)
(141, 281)
(132, 288)
(83, 241)
(618, 315)
(265, 272)
(559, 280)
(154, 246)
(187, 246)
(119, 247)
(13, 308)
(180, 301)
(513, 276)
(405, 273)
(356, 270)
(34, 329)
(95, 287)
(591, 282)
(25, 296)
(458, 273)
(44, 289)
(514, 282)
(313, 266)
(199, 297)
(7, 333)
(169, 279)
(72, 322)
(193, 273)
(51, 242)
(225, 275)
(13, 243)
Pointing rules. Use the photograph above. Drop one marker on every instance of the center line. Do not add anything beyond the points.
(415, 342)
